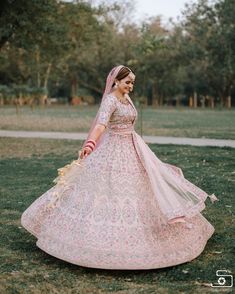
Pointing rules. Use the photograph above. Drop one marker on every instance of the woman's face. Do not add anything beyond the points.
(125, 86)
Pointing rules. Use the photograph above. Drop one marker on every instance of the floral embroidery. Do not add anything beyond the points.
(102, 212)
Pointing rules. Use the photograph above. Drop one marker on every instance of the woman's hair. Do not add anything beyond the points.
(123, 72)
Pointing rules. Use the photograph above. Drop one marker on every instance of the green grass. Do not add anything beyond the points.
(177, 122)
(27, 168)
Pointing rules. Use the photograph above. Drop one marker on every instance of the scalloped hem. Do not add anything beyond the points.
(131, 265)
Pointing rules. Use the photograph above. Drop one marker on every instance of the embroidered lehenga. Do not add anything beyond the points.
(113, 209)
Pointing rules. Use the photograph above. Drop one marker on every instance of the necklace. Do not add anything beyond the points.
(123, 100)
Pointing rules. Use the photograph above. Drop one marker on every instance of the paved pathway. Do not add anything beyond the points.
(147, 139)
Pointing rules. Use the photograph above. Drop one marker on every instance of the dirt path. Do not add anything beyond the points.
(147, 139)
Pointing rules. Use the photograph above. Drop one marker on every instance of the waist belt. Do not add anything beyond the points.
(121, 132)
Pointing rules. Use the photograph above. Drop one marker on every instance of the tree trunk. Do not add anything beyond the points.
(16, 102)
(190, 101)
(1, 100)
(229, 104)
(203, 101)
(46, 82)
(74, 87)
(47, 75)
(222, 100)
(195, 99)
(212, 102)
(154, 94)
(37, 57)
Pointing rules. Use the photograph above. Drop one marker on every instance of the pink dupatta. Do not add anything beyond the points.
(177, 197)
(108, 88)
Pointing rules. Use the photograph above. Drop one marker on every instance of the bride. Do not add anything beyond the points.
(119, 206)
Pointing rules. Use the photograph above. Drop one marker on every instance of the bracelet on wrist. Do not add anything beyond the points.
(91, 148)
(91, 142)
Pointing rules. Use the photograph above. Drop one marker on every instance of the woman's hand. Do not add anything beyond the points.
(85, 152)
(95, 134)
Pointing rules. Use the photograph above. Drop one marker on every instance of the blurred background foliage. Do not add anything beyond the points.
(65, 50)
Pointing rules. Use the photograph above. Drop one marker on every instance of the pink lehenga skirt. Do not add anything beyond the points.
(104, 214)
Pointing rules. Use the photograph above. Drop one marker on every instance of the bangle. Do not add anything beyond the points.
(88, 146)
(92, 142)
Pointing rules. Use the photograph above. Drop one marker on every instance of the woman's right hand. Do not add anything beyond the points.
(85, 152)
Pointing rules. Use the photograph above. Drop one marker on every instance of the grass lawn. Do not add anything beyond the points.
(27, 169)
(177, 122)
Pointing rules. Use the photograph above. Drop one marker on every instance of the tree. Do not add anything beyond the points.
(22, 22)
(209, 46)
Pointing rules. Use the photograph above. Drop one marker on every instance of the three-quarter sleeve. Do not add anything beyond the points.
(107, 107)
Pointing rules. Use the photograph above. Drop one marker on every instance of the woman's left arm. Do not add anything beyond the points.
(94, 136)
(107, 107)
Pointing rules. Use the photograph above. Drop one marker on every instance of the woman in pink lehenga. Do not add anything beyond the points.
(118, 206)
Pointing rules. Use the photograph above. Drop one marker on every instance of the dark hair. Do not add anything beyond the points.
(123, 72)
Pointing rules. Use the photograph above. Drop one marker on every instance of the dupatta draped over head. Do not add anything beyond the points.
(176, 196)
(108, 88)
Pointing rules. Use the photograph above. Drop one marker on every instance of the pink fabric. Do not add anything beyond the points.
(108, 88)
(176, 196)
(112, 210)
